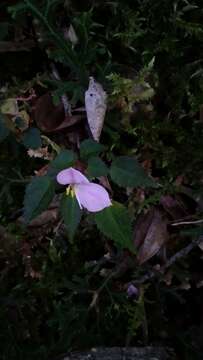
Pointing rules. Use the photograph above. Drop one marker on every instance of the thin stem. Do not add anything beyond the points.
(71, 58)
(180, 254)
(194, 222)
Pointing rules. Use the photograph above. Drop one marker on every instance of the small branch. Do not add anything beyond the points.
(98, 291)
(180, 254)
(195, 222)
(119, 271)
(64, 98)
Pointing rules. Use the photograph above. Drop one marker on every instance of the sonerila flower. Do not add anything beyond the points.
(90, 196)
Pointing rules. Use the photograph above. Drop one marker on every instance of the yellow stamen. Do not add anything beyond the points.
(68, 189)
(72, 192)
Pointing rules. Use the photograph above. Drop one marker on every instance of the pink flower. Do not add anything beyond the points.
(90, 196)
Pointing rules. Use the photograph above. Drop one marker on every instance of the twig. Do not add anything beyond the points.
(180, 254)
(187, 223)
(98, 291)
(120, 270)
(64, 98)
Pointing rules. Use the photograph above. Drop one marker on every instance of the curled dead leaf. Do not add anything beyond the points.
(173, 207)
(141, 227)
(51, 118)
(150, 234)
(95, 104)
(48, 216)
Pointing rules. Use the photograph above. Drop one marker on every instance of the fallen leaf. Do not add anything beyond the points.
(95, 104)
(150, 235)
(51, 118)
(48, 216)
(173, 207)
(141, 227)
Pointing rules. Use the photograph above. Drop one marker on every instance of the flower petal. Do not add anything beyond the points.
(92, 197)
(71, 176)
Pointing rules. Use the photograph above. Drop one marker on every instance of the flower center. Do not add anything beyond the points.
(70, 190)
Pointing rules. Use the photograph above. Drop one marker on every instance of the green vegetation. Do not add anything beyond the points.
(65, 272)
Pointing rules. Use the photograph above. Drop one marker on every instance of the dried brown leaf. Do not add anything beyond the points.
(141, 227)
(96, 105)
(51, 118)
(173, 207)
(48, 216)
(151, 235)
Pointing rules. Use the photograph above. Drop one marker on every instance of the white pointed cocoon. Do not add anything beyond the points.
(95, 104)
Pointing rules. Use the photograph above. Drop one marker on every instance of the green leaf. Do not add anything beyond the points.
(71, 214)
(96, 167)
(90, 148)
(115, 223)
(38, 196)
(4, 131)
(32, 139)
(127, 172)
(65, 159)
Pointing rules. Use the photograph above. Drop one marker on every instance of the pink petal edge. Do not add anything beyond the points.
(71, 176)
(92, 197)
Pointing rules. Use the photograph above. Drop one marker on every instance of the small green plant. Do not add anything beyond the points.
(71, 244)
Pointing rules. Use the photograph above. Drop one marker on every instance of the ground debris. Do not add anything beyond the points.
(117, 353)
